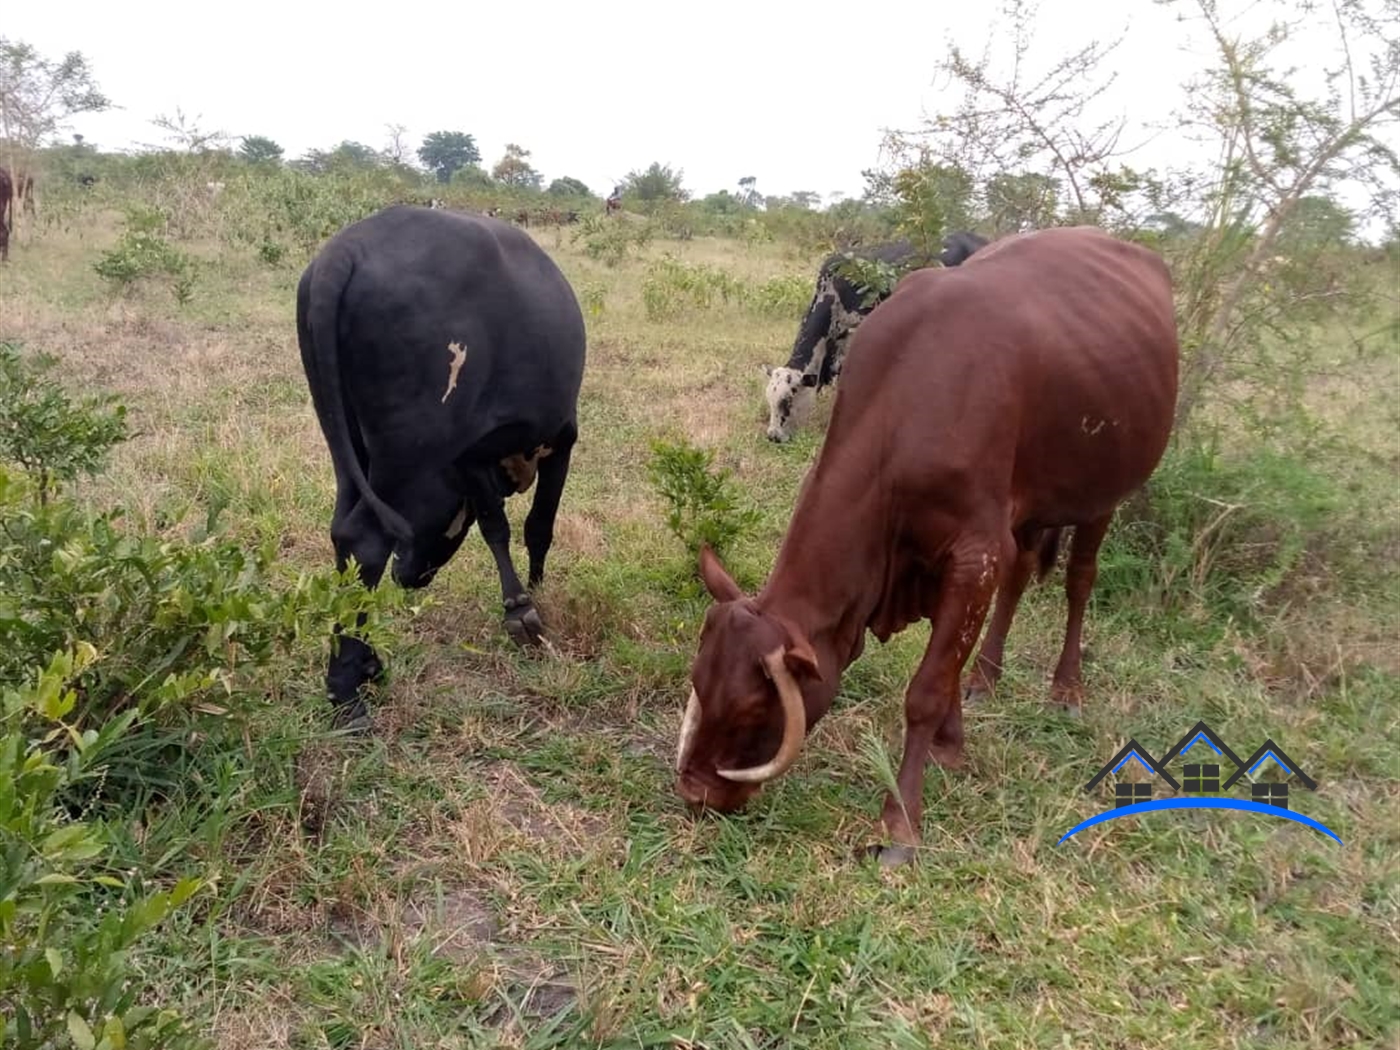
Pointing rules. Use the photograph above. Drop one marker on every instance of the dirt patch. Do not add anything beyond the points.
(521, 805)
(456, 923)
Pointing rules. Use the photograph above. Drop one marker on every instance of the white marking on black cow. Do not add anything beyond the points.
(459, 356)
(455, 529)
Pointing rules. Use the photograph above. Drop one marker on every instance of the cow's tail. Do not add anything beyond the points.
(1047, 551)
(327, 285)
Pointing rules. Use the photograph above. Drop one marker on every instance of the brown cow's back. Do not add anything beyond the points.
(1042, 372)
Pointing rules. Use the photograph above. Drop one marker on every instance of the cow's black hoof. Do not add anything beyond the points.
(523, 622)
(891, 856)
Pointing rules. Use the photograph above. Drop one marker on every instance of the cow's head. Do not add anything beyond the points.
(791, 395)
(747, 716)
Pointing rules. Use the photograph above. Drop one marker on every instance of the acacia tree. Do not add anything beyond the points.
(38, 96)
(1279, 146)
(514, 169)
(1031, 129)
(1040, 158)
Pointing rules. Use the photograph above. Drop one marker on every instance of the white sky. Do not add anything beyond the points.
(794, 93)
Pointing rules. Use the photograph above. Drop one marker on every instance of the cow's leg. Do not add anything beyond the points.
(522, 622)
(549, 488)
(1080, 572)
(933, 702)
(355, 531)
(986, 670)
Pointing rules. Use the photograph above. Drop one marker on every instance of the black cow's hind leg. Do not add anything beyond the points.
(356, 533)
(549, 487)
(522, 622)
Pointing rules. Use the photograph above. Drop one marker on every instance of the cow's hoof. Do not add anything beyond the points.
(523, 622)
(352, 718)
(891, 856)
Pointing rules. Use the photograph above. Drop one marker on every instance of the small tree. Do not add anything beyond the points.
(514, 169)
(397, 148)
(748, 192)
(1278, 148)
(259, 149)
(656, 185)
(38, 97)
(348, 156)
(443, 152)
(568, 187)
(187, 135)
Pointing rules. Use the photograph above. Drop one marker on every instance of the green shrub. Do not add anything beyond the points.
(143, 254)
(1223, 532)
(43, 431)
(67, 923)
(611, 240)
(704, 503)
(672, 286)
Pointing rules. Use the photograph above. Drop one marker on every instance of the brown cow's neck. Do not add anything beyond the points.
(831, 569)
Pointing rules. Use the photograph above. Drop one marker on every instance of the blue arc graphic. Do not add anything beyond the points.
(1202, 803)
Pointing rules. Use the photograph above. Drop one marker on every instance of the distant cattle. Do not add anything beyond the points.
(835, 312)
(982, 410)
(444, 354)
(24, 193)
(613, 202)
(7, 196)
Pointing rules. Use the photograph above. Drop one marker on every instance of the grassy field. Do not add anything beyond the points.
(505, 863)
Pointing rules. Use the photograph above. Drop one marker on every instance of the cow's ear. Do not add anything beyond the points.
(719, 583)
(767, 369)
(800, 657)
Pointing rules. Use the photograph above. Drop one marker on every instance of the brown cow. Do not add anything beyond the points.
(982, 409)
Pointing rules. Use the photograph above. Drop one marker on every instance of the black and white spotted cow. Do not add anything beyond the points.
(835, 312)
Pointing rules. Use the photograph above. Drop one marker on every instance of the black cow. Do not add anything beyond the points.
(444, 353)
(835, 312)
(958, 247)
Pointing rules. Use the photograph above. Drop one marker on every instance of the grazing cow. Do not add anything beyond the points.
(444, 353)
(835, 312)
(983, 409)
(7, 193)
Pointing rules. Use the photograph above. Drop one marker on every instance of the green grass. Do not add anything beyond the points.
(506, 864)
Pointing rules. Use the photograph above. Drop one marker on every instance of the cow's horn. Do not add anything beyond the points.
(689, 724)
(794, 726)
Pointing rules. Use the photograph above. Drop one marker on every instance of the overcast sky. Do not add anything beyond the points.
(793, 93)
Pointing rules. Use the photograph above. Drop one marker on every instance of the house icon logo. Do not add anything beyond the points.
(1205, 782)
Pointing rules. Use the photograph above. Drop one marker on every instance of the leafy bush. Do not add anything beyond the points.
(43, 431)
(610, 240)
(117, 651)
(143, 254)
(1224, 532)
(174, 620)
(704, 503)
(66, 923)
